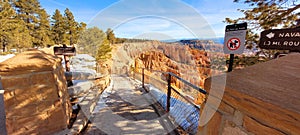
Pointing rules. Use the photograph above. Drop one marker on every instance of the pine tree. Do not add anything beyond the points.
(21, 37)
(25, 24)
(82, 26)
(268, 14)
(71, 27)
(28, 11)
(42, 33)
(90, 40)
(80, 29)
(58, 28)
(110, 36)
(104, 51)
(8, 24)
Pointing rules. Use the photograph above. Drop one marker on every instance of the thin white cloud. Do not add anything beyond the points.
(84, 15)
(202, 18)
(172, 11)
(153, 25)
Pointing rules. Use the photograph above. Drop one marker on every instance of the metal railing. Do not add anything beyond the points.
(173, 97)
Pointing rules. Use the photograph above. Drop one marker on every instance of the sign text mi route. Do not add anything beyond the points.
(281, 39)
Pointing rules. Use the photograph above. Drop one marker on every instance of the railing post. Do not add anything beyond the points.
(143, 78)
(169, 92)
(2, 112)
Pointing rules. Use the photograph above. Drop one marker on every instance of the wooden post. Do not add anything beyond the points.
(169, 92)
(2, 112)
(67, 63)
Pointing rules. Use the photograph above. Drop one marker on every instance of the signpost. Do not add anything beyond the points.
(234, 41)
(66, 52)
(281, 39)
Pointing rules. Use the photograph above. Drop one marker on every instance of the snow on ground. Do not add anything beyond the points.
(5, 57)
(83, 63)
(85, 57)
(101, 104)
(185, 115)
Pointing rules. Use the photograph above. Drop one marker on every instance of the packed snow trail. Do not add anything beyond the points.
(127, 109)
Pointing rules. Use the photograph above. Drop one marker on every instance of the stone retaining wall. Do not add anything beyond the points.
(35, 97)
(262, 99)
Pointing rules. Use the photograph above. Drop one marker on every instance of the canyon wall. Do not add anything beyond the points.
(191, 64)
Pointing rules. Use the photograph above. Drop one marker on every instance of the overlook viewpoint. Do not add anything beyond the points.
(149, 67)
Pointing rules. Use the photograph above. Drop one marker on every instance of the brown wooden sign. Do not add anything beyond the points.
(67, 51)
(280, 39)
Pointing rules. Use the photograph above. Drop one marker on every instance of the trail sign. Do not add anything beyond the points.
(280, 39)
(67, 51)
(234, 41)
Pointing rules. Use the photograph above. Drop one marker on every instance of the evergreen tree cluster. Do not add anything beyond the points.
(25, 24)
(96, 43)
(268, 14)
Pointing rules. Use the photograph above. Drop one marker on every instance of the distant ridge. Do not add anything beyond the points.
(217, 40)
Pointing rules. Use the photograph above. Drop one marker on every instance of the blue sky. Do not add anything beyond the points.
(154, 19)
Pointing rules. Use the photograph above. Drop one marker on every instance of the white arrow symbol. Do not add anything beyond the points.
(270, 35)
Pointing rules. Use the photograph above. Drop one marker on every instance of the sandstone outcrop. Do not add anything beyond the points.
(36, 98)
(260, 99)
(191, 64)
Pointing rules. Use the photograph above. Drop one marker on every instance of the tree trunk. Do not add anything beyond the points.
(3, 47)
